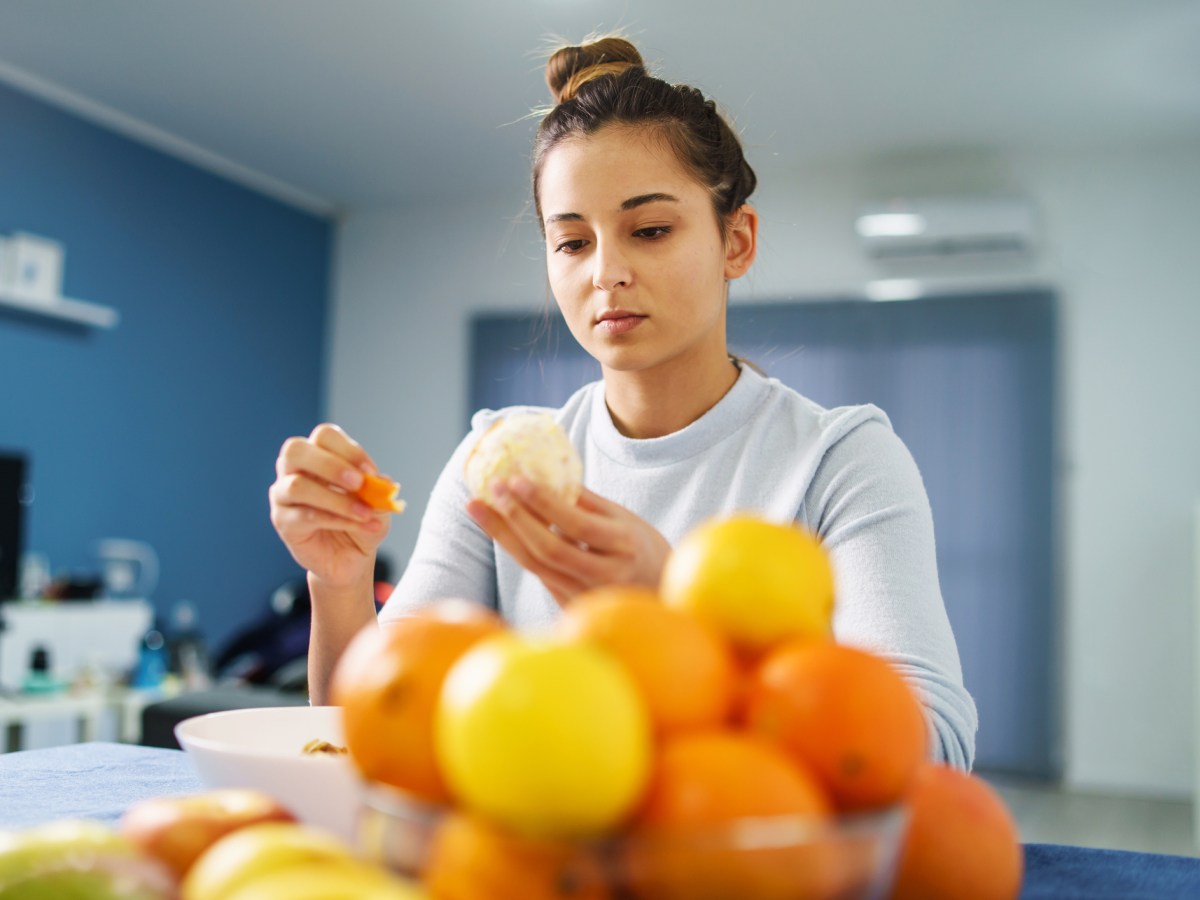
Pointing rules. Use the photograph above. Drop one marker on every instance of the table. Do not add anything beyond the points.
(99, 780)
(86, 709)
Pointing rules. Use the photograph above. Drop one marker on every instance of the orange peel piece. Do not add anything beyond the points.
(379, 492)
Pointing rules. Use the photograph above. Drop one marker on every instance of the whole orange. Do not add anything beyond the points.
(961, 841)
(682, 666)
(708, 789)
(387, 683)
(758, 582)
(846, 714)
(473, 859)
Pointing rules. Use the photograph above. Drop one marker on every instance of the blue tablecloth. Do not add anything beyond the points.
(90, 781)
(99, 780)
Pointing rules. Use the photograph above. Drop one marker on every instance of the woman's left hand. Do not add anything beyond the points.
(572, 547)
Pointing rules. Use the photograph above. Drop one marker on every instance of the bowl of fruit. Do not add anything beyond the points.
(705, 739)
(460, 853)
(708, 739)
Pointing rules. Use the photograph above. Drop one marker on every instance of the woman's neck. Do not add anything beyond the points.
(658, 403)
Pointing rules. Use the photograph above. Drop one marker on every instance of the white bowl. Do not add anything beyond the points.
(263, 749)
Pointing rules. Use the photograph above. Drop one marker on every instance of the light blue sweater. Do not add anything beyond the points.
(764, 448)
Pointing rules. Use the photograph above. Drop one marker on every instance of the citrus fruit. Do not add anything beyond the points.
(710, 824)
(387, 683)
(961, 840)
(472, 859)
(544, 737)
(379, 492)
(251, 852)
(347, 880)
(758, 582)
(846, 714)
(682, 666)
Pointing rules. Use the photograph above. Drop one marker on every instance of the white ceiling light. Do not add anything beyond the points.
(890, 224)
(894, 289)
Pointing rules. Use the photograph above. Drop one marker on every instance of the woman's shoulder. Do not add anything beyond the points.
(832, 422)
(576, 406)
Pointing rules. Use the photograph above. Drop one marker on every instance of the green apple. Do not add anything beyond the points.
(71, 859)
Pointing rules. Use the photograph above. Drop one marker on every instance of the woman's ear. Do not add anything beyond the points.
(741, 244)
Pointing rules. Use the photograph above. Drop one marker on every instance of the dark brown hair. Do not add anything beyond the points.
(604, 82)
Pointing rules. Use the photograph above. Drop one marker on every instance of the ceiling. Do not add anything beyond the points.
(360, 103)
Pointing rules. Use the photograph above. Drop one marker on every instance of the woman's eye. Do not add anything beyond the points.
(653, 232)
(570, 247)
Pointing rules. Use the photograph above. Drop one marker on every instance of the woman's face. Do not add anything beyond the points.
(635, 258)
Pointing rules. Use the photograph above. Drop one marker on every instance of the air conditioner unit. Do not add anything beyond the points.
(945, 227)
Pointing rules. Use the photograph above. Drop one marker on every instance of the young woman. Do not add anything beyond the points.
(641, 190)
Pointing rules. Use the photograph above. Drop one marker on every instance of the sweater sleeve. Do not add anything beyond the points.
(453, 556)
(868, 504)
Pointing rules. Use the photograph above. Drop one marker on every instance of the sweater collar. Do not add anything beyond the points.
(729, 414)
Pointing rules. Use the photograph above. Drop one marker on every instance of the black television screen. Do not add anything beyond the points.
(12, 520)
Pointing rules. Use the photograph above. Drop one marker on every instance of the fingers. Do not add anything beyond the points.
(560, 584)
(552, 546)
(302, 491)
(296, 523)
(333, 439)
(328, 454)
(592, 521)
(572, 547)
(314, 478)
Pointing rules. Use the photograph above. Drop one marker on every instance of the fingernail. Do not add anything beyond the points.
(522, 487)
(499, 489)
(362, 511)
(352, 479)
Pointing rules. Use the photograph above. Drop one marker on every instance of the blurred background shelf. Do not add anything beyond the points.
(79, 312)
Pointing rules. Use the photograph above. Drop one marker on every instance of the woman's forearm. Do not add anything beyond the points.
(337, 615)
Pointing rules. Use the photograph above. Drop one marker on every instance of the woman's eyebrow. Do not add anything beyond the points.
(643, 199)
(631, 203)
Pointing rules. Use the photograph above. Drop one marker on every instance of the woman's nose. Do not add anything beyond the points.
(611, 270)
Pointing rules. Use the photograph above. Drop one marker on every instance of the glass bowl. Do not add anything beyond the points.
(779, 858)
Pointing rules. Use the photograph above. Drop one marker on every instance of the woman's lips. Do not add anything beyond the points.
(622, 324)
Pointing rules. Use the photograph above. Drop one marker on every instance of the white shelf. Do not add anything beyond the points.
(90, 314)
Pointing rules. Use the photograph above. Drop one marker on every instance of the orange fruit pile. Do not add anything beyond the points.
(709, 739)
(387, 683)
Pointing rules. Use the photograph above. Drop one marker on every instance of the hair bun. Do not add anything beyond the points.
(569, 68)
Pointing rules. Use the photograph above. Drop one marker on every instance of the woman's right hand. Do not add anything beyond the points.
(328, 531)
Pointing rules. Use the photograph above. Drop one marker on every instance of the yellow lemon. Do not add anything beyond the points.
(252, 852)
(758, 582)
(546, 737)
(345, 880)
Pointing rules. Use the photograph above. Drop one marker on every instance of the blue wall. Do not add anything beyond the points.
(164, 429)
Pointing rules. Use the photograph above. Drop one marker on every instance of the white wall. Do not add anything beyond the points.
(1121, 236)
